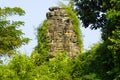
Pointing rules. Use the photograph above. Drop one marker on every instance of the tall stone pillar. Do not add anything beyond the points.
(61, 34)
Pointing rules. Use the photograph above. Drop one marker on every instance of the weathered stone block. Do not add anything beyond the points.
(61, 33)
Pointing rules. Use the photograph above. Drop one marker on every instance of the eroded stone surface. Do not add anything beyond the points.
(61, 33)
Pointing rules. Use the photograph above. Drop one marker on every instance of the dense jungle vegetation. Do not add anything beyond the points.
(101, 62)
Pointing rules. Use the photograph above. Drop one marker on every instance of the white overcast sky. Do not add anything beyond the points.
(35, 14)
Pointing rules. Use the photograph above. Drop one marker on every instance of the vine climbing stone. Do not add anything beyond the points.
(60, 33)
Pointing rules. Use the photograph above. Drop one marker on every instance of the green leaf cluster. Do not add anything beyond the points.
(11, 37)
(107, 56)
(92, 13)
(57, 68)
(42, 47)
(21, 67)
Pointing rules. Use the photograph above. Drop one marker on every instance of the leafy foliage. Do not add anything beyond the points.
(42, 47)
(21, 67)
(95, 64)
(7, 74)
(7, 11)
(83, 69)
(105, 15)
(57, 68)
(92, 12)
(113, 38)
(11, 37)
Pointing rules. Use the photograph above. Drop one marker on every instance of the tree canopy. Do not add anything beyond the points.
(104, 14)
(92, 12)
(11, 37)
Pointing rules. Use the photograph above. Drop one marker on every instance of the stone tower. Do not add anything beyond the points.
(61, 34)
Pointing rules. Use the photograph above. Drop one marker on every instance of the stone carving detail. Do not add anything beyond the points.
(61, 33)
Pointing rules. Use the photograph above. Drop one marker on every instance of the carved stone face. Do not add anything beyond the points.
(61, 33)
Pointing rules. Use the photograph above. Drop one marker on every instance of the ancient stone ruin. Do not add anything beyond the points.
(61, 34)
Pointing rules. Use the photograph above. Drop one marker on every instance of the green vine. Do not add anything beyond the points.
(42, 46)
(73, 17)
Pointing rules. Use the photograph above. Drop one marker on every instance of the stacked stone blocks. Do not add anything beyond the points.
(61, 34)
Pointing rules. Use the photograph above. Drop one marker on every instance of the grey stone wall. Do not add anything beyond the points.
(61, 33)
